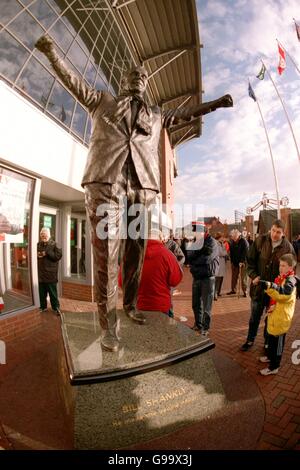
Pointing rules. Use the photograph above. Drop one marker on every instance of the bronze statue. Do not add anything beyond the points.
(123, 161)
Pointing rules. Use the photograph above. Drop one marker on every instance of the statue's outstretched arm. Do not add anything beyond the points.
(186, 113)
(88, 96)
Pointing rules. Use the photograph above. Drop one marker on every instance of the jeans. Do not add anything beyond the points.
(202, 299)
(257, 308)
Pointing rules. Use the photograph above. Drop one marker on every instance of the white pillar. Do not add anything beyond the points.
(66, 240)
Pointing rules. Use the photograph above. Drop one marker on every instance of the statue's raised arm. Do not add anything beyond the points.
(87, 95)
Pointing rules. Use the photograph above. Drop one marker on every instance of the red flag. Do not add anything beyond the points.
(282, 63)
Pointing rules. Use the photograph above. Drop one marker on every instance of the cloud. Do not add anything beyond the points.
(230, 166)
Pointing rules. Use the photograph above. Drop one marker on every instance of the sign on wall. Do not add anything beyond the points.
(12, 208)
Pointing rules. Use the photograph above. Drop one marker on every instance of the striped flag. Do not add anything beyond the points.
(262, 72)
(282, 62)
(297, 26)
(251, 92)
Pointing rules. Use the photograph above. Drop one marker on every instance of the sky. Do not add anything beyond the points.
(229, 167)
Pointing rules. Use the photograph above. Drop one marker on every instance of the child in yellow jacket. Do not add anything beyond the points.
(280, 312)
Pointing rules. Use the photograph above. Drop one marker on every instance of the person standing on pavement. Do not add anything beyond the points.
(238, 251)
(204, 261)
(280, 312)
(173, 246)
(222, 252)
(48, 257)
(263, 263)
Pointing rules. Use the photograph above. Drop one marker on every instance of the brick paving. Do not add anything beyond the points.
(281, 393)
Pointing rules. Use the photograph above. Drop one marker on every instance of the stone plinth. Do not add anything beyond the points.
(157, 382)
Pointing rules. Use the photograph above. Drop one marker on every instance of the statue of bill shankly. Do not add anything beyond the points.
(122, 161)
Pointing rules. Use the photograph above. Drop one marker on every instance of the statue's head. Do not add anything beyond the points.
(137, 79)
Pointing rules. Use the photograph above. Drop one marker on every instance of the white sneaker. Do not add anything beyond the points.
(204, 333)
(264, 359)
(269, 371)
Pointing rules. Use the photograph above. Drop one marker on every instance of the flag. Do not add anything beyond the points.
(63, 115)
(297, 26)
(251, 92)
(262, 72)
(282, 63)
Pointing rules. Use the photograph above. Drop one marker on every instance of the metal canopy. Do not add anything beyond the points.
(158, 31)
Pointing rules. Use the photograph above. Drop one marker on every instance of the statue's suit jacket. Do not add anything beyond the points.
(112, 138)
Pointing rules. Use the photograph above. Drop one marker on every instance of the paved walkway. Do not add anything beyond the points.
(28, 422)
(281, 393)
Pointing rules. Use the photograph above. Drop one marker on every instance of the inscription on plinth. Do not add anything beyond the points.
(158, 381)
(124, 412)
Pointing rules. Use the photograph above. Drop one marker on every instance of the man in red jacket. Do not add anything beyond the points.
(161, 271)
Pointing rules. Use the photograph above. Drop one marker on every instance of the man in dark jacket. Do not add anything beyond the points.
(48, 257)
(204, 262)
(238, 251)
(263, 264)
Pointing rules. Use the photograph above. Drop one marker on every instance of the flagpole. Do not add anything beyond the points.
(272, 159)
(296, 66)
(284, 109)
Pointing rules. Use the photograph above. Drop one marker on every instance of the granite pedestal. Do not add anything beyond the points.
(162, 378)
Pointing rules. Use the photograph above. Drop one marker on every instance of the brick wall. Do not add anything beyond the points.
(19, 325)
(72, 290)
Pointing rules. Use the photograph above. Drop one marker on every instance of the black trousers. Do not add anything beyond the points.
(50, 288)
(275, 350)
(218, 285)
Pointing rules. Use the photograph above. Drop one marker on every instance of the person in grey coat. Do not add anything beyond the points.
(221, 271)
(122, 164)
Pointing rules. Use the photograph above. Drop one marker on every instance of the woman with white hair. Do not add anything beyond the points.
(48, 257)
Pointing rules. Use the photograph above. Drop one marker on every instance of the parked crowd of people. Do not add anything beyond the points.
(263, 268)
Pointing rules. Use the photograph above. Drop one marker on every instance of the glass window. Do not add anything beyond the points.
(117, 74)
(100, 44)
(100, 83)
(61, 35)
(58, 6)
(85, 41)
(16, 195)
(77, 246)
(36, 81)
(71, 20)
(114, 86)
(90, 73)
(12, 56)
(48, 221)
(43, 12)
(90, 27)
(27, 29)
(88, 131)
(77, 57)
(105, 69)
(79, 120)
(61, 104)
(9, 9)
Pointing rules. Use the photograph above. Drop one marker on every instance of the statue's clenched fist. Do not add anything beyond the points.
(44, 44)
(227, 101)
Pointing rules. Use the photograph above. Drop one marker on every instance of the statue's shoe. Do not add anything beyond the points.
(136, 316)
(110, 342)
